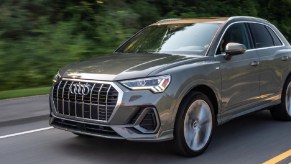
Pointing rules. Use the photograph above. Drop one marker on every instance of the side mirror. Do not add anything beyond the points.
(232, 49)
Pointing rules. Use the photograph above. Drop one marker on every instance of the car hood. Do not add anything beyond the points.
(120, 66)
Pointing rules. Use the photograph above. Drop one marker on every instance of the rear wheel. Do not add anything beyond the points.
(283, 111)
(194, 125)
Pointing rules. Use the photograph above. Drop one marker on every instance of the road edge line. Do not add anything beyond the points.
(279, 157)
(25, 132)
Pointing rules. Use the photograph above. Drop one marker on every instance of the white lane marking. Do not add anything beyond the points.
(25, 132)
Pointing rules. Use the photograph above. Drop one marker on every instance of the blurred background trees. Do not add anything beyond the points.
(37, 37)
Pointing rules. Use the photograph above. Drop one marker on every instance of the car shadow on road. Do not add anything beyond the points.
(234, 138)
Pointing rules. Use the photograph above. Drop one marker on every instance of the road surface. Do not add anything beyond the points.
(251, 139)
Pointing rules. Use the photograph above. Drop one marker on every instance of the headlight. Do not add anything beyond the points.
(155, 84)
(57, 78)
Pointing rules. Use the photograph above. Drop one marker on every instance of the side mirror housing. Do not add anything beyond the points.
(232, 49)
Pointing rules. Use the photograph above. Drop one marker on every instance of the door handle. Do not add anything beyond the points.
(255, 63)
(284, 58)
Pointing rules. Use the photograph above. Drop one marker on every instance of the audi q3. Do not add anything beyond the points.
(177, 79)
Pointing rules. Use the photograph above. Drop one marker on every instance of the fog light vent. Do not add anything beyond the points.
(149, 122)
(146, 120)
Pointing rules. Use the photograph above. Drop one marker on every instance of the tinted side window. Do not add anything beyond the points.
(262, 37)
(236, 33)
(276, 40)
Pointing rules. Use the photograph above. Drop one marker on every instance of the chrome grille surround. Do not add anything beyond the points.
(99, 105)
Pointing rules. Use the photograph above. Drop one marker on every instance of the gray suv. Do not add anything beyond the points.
(177, 79)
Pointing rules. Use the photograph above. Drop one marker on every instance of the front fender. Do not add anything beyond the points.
(185, 78)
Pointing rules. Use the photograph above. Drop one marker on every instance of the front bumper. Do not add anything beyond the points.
(105, 131)
(127, 121)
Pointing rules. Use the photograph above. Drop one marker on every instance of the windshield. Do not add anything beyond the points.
(172, 38)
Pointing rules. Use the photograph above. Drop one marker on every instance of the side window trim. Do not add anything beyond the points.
(217, 46)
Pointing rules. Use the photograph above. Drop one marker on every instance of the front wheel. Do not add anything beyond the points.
(194, 125)
(283, 111)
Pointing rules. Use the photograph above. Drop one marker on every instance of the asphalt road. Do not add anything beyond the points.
(251, 139)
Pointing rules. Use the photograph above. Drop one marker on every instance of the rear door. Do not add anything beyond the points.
(272, 62)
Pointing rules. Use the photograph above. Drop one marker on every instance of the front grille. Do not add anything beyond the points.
(97, 104)
(88, 128)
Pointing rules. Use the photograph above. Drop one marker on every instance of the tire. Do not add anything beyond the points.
(195, 116)
(283, 111)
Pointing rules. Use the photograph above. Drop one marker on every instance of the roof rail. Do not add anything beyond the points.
(249, 17)
(168, 19)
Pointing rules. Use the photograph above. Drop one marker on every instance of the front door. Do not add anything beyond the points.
(240, 74)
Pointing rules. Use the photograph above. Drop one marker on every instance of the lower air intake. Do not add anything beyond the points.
(83, 127)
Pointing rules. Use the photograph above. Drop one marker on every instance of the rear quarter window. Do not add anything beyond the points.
(276, 40)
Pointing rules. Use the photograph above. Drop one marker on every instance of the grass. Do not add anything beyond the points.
(24, 92)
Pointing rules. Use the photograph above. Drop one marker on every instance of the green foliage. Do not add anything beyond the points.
(146, 12)
(24, 92)
(32, 61)
(37, 37)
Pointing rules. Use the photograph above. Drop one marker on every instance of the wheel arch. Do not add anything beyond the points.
(209, 92)
(285, 83)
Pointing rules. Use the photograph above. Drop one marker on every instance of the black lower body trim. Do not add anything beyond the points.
(84, 127)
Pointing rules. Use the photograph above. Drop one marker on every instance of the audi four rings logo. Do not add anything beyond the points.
(80, 89)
